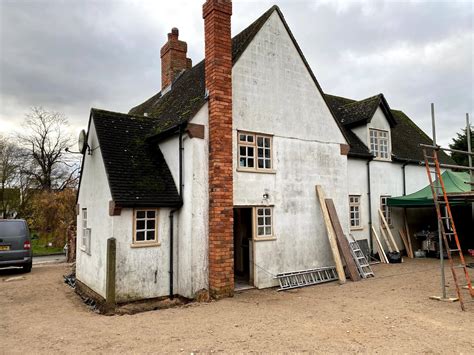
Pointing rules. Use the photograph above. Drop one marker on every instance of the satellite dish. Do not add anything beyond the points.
(82, 142)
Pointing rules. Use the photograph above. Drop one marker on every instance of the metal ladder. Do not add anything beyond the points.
(304, 278)
(363, 266)
(446, 222)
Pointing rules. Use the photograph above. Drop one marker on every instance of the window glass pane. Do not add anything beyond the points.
(140, 236)
(260, 211)
(250, 139)
(268, 221)
(250, 151)
(259, 141)
(260, 231)
(260, 152)
(268, 164)
(268, 230)
(150, 224)
(140, 224)
(250, 163)
(242, 137)
(140, 214)
(242, 162)
(267, 153)
(243, 151)
(260, 221)
(260, 163)
(150, 235)
(150, 214)
(267, 142)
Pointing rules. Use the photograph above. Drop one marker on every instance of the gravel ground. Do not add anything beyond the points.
(390, 313)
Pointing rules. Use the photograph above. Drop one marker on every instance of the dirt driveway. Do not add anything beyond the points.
(390, 313)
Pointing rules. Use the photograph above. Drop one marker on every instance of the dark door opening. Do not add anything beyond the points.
(243, 248)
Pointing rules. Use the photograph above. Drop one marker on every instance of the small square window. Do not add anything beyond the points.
(145, 226)
(264, 222)
(253, 147)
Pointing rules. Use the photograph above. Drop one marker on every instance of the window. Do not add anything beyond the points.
(86, 233)
(354, 211)
(264, 222)
(255, 151)
(386, 211)
(145, 227)
(379, 143)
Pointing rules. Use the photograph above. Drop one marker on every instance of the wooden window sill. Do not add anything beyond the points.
(258, 171)
(264, 239)
(357, 228)
(145, 245)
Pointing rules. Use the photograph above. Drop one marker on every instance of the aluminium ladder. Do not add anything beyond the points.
(303, 278)
(446, 222)
(362, 264)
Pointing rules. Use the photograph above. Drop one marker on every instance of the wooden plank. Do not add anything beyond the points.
(342, 241)
(404, 240)
(411, 255)
(382, 232)
(378, 244)
(388, 231)
(331, 235)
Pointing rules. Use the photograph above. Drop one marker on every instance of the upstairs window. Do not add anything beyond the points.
(379, 143)
(354, 211)
(255, 152)
(145, 227)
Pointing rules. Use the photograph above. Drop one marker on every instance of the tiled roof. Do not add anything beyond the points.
(405, 134)
(137, 172)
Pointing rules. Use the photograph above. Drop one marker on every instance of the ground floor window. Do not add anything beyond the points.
(354, 211)
(264, 222)
(386, 210)
(145, 226)
(86, 233)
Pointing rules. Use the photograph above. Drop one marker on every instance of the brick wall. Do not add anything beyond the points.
(173, 58)
(218, 67)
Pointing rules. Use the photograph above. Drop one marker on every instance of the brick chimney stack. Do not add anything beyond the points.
(173, 58)
(218, 67)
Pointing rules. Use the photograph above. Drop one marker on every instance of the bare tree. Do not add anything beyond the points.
(46, 142)
(9, 170)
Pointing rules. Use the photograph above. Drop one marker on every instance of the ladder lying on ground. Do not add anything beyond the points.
(363, 266)
(446, 222)
(303, 278)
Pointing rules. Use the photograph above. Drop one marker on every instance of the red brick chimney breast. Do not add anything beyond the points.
(173, 58)
(218, 68)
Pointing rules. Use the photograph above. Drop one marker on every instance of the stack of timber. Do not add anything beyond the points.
(387, 238)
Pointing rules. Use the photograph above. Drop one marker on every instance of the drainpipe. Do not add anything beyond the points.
(404, 178)
(181, 153)
(370, 205)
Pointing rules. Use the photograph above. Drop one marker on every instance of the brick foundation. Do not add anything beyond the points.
(218, 67)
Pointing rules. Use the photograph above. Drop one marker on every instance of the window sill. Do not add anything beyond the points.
(85, 250)
(357, 228)
(145, 245)
(266, 239)
(383, 159)
(258, 171)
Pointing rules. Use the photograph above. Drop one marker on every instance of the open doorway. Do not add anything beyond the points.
(243, 270)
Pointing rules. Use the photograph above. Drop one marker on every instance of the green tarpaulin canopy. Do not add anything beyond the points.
(453, 182)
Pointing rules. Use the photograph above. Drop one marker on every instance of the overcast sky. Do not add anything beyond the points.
(69, 56)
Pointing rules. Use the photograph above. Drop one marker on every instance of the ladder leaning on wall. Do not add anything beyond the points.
(445, 220)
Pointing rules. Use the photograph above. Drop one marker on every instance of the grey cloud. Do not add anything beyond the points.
(73, 55)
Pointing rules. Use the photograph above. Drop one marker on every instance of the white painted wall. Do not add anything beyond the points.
(94, 194)
(191, 236)
(274, 93)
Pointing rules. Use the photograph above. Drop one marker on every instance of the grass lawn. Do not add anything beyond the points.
(40, 247)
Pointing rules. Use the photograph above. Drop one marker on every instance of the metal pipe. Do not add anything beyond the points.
(468, 137)
(433, 123)
(370, 205)
(171, 216)
(404, 178)
(437, 147)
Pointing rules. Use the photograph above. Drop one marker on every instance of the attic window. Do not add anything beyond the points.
(379, 143)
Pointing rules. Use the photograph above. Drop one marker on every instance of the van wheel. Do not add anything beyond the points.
(27, 267)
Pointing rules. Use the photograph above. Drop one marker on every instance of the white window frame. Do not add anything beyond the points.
(355, 219)
(86, 233)
(379, 143)
(249, 142)
(386, 210)
(264, 223)
(146, 229)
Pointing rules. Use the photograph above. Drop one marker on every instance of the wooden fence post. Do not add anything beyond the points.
(110, 275)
